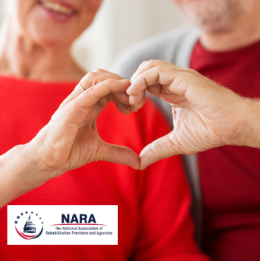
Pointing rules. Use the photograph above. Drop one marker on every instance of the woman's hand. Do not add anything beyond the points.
(71, 140)
(205, 114)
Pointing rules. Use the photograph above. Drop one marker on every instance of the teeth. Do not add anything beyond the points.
(57, 7)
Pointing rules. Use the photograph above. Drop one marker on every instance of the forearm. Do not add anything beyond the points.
(19, 173)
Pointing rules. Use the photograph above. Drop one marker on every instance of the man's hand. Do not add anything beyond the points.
(205, 114)
(71, 140)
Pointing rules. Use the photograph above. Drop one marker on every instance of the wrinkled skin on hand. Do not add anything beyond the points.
(71, 140)
(205, 114)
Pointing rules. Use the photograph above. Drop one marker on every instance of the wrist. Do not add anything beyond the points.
(10, 185)
(251, 134)
(20, 173)
(17, 174)
(38, 165)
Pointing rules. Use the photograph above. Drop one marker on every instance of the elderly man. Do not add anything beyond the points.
(223, 45)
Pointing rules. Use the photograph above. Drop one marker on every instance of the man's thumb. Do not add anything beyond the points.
(155, 151)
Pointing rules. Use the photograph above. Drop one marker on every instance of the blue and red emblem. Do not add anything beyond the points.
(30, 230)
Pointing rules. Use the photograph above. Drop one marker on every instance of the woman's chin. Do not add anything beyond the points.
(51, 29)
(46, 41)
(48, 36)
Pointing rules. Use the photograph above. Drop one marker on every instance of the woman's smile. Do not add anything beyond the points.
(52, 23)
(59, 10)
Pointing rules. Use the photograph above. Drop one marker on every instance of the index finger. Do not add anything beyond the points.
(89, 80)
(147, 65)
(170, 77)
(148, 78)
(92, 95)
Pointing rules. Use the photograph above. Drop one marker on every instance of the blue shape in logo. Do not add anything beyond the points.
(29, 228)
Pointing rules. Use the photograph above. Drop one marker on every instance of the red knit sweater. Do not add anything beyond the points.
(153, 205)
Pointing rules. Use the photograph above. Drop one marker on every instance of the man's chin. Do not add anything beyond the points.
(213, 28)
(213, 16)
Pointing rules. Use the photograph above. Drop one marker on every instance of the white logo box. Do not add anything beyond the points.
(62, 225)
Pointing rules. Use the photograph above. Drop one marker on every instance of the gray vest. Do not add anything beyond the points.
(174, 47)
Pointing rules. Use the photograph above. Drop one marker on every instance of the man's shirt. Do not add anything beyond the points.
(230, 175)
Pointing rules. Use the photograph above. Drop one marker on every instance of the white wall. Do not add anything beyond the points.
(119, 24)
(1, 9)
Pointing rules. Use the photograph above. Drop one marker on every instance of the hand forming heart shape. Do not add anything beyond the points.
(204, 117)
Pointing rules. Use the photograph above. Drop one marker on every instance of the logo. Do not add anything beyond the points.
(62, 224)
(28, 225)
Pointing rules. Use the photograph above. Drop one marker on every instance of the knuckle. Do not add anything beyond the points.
(91, 75)
(188, 70)
(98, 70)
(152, 62)
(109, 81)
(144, 63)
(89, 79)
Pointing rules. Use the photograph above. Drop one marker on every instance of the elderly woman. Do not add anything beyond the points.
(36, 74)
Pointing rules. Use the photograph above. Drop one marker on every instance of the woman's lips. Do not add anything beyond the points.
(58, 10)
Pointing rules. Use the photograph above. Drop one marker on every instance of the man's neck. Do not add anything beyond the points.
(20, 57)
(245, 33)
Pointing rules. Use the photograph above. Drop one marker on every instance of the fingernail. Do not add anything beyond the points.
(126, 81)
(128, 91)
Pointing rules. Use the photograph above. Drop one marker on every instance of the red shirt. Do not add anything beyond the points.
(230, 176)
(153, 205)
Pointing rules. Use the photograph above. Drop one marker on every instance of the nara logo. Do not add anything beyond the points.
(29, 225)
